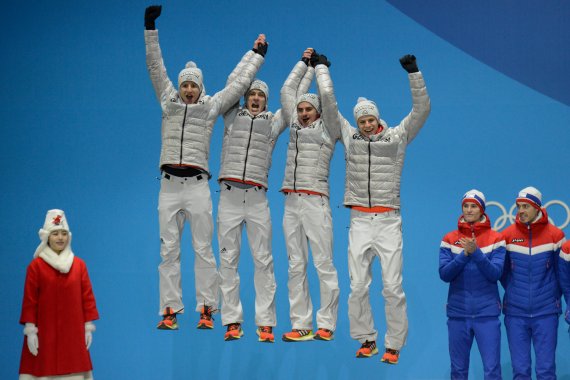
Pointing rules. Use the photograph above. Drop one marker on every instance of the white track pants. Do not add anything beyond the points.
(182, 199)
(307, 219)
(236, 208)
(378, 235)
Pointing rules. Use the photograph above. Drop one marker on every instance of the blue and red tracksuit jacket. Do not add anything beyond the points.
(530, 277)
(473, 290)
(564, 276)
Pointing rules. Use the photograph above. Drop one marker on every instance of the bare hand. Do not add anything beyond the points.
(308, 52)
(469, 245)
(259, 41)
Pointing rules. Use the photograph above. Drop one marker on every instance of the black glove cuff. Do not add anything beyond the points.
(149, 25)
(261, 49)
(305, 60)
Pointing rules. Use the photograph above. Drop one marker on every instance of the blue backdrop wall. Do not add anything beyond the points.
(80, 131)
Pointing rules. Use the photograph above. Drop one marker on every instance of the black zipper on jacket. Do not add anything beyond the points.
(369, 175)
(296, 154)
(182, 133)
(247, 149)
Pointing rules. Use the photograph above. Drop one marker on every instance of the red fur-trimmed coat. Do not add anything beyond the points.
(59, 304)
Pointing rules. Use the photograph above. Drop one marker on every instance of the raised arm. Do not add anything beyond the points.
(307, 79)
(247, 57)
(292, 85)
(154, 62)
(235, 88)
(421, 105)
(232, 111)
(330, 114)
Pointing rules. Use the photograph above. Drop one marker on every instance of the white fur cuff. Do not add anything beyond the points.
(90, 326)
(30, 328)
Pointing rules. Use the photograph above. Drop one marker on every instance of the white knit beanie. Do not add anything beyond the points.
(261, 86)
(313, 99)
(532, 196)
(191, 73)
(476, 197)
(365, 107)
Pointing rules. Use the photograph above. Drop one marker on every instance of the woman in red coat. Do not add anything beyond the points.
(58, 308)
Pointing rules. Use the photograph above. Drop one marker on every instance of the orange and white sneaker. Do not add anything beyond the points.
(324, 334)
(265, 334)
(390, 356)
(206, 320)
(296, 335)
(234, 332)
(367, 350)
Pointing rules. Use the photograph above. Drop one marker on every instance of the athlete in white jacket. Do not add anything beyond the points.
(188, 116)
(374, 159)
(307, 218)
(250, 136)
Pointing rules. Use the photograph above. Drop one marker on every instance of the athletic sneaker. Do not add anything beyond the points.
(391, 356)
(234, 332)
(265, 334)
(324, 334)
(206, 319)
(298, 335)
(168, 320)
(367, 350)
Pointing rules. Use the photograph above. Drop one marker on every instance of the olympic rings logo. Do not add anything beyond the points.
(510, 216)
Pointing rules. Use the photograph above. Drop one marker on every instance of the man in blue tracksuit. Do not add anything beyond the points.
(532, 294)
(471, 260)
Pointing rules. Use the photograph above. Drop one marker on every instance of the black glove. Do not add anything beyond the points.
(314, 58)
(321, 60)
(261, 49)
(150, 14)
(409, 64)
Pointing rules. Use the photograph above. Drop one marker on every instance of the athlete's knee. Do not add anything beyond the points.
(297, 267)
(229, 258)
(263, 260)
(169, 249)
(393, 293)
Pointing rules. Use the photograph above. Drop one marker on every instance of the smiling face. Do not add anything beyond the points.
(58, 240)
(471, 212)
(306, 113)
(368, 125)
(526, 212)
(189, 92)
(256, 102)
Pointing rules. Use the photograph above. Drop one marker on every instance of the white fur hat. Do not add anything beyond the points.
(191, 73)
(313, 99)
(365, 107)
(55, 220)
(476, 197)
(532, 196)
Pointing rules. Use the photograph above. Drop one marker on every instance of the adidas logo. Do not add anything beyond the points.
(224, 250)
